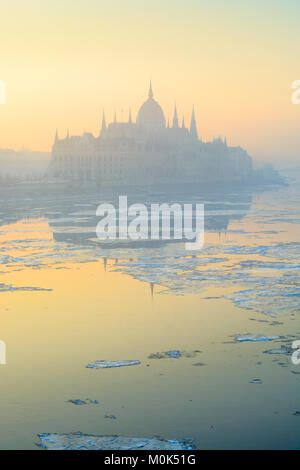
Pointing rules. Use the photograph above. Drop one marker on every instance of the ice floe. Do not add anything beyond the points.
(244, 338)
(174, 354)
(110, 364)
(243, 261)
(10, 288)
(86, 401)
(270, 301)
(80, 441)
(281, 350)
(256, 381)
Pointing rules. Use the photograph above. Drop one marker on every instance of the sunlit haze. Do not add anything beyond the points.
(64, 62)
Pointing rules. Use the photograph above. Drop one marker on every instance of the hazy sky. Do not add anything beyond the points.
(65, 60)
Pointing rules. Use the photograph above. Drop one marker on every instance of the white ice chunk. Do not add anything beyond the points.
(109, 364)
(79, 441)
(243, 338)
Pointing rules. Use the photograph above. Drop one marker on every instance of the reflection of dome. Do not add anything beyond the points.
(150, 114)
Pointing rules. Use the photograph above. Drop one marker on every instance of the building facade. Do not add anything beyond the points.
(148, 151)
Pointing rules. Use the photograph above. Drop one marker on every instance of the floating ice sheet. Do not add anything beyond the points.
(10, 288)
(79, 441)
(244, 338)
(269, 300)
(256, 381)
(86, 401)
(283, 251)
(224, 264)
(110, 364)
(175, 354)
(277, 351)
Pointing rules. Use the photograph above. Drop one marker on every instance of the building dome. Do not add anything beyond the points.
(151, 115)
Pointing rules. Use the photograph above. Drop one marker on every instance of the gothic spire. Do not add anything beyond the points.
(150, 94)
(56, 136)
(129, 118)
(115, 118)
(193, 128)
(183, 124)
(103, 127)
(175, 118)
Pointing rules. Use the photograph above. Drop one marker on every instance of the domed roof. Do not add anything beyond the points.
(150, 114)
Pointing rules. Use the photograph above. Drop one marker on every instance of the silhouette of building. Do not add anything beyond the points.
(148, 152)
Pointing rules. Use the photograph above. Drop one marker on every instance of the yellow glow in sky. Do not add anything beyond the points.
(64, 61)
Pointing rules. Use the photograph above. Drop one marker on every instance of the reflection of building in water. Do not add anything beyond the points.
(221, 208)
(148, 151)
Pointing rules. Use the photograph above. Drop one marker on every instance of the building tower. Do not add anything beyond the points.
(175, 118)
(150, 94)
(193, 128)
(103, 127)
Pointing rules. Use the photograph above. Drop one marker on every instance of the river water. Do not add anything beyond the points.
(67, 300)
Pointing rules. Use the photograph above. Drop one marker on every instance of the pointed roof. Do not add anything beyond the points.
(150, 94)
(183, 124)
(103, 127)
(175, 118)
(193, 128)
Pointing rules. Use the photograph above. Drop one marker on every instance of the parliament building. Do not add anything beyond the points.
(148, 151)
